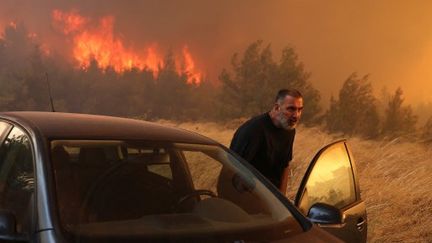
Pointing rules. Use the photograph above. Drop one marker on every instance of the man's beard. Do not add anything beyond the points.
(286, 123)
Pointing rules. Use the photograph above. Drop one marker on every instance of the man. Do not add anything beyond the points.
(266, 140)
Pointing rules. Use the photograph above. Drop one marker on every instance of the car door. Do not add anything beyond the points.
(329, 194)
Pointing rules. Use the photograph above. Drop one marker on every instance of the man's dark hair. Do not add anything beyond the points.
(285, 92)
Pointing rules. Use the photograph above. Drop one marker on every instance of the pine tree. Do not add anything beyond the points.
(355, 113)
(399, 119)
(255, 79)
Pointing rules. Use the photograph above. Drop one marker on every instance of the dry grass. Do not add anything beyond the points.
(395, 178)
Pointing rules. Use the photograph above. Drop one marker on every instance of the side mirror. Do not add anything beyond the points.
(322, 213)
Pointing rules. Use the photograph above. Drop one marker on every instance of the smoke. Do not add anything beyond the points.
(388, 39)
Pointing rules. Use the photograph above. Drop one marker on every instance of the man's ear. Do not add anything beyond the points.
(276, 106)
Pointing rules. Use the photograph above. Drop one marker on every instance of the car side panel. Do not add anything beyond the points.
(355, 220)
(314, 235)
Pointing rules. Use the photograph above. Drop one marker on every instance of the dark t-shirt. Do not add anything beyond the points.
(267, 147)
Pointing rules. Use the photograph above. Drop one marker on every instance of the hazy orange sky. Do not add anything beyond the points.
(390, 40)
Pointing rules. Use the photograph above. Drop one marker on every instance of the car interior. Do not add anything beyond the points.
(99, 184)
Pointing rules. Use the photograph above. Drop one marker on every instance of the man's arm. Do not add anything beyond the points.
(286, 173)
(284, 180)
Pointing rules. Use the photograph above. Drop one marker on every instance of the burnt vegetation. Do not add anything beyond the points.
(244, 89)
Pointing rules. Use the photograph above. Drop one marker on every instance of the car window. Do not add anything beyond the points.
(156, 189)
(160, 160)
(331, 180)
(17, 177)
(204, 170)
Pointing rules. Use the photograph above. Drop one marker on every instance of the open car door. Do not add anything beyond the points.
(329, 194)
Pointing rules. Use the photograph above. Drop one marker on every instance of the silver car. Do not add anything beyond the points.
(86, 178)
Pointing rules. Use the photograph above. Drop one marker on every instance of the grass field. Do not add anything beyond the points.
(395, 178)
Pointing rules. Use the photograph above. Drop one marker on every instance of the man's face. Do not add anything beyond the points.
(289, 111)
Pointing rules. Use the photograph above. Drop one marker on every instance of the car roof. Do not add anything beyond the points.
(58, 125)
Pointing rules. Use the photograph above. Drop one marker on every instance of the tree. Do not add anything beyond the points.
(246, 94)
(171, 92)
(355, 113)
(399, 119)
(21, 72)
(255, 79)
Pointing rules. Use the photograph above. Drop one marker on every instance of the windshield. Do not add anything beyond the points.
(146, 190)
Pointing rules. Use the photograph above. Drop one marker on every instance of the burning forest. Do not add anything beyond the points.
(91, 59)
(93, 68)
(97, 42)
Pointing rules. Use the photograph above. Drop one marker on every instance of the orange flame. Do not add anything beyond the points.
(72, 21)
(194, 76)
(99, 43)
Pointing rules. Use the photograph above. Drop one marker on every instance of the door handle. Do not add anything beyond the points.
(360, 224)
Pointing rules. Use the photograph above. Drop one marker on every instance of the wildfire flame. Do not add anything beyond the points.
(68, 22)
(98, 43)
(189, 68)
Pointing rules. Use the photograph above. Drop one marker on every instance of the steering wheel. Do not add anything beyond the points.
(194, 193)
